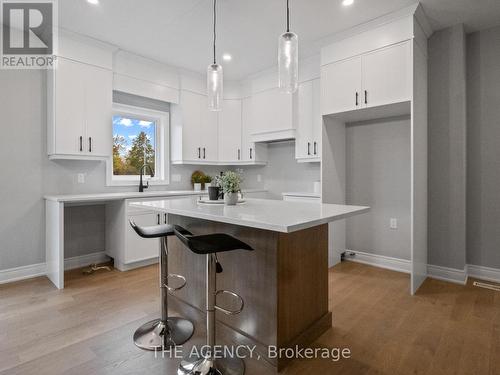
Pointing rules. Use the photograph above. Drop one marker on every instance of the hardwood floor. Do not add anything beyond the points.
(87, 327)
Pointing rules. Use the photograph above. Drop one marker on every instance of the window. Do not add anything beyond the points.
(140, 137)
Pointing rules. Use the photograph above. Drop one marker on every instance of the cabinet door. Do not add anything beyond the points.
(209, 133)
(230, 131)
(304, 140)
(69, 108)
(138, 248)
(191, 117)
(317, 118)
(98, 104)
(247, 130)
(387, 76)
(272, 111)
(341, 86)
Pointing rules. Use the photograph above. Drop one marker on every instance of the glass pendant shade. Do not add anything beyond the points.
(288, 62)
(214, 87)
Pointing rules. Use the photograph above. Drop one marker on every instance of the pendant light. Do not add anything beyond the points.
(214, 76)
(288, 58)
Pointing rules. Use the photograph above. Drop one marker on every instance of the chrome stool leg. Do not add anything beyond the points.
(205, 363)
(166, 331)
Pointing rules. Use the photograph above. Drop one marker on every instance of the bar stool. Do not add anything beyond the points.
(209, 245)
(166, 331)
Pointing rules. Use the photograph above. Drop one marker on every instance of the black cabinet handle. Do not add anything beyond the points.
(90, 144)
(251, 153)
(315, 148)
(357, 99)
(366, 97)
(199, 152)
(239, 154)
(204, 153)
(165, 218)
(158, 217)
(81, 143)
(308, 148)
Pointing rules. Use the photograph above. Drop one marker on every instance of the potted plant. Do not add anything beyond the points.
(206, 180)
(197, 179)
(230, 184)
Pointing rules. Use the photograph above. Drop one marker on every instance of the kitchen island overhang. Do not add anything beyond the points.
(284, 281)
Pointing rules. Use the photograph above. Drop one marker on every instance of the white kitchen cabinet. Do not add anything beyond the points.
(272, 116)
(138, 249)
(194, 130)
(230, 131)
(251, 152)
(309, 121)
(79, 111)
(341, 86)
(387, 76)
(374, 79)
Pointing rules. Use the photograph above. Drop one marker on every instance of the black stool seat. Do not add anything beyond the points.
(156, 231)
(210, 243)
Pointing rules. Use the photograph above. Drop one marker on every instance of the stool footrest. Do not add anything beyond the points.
(226, 311)
(175, 276)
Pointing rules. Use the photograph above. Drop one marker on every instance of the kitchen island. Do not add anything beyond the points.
(284, 281)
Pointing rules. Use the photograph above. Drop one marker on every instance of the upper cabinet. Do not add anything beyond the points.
(194, 130)
(272, 116)
(230, 131)
(200, 136)
(308, 122)
(374, 79)
(251, 152)
(341, 86)
(79, 111)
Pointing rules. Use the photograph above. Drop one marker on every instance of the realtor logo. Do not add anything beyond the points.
(28, 37)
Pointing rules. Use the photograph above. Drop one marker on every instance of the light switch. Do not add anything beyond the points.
(259, 178)
(394, 223)
(81, 178)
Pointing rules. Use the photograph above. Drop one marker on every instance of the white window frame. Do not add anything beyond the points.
(162, 151)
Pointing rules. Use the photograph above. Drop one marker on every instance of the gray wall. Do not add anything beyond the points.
(447, 148)
(378, 175)
(483, 158)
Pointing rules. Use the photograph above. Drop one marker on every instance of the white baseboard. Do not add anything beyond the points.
(21, 273)
(484, 273)
(447, 274)
(27, 272)
(394, 264)
(85, 260)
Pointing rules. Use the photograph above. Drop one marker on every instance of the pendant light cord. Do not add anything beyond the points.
(287, 17)
(215, 24)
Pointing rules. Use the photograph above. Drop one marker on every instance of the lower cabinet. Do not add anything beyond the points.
(123, 244)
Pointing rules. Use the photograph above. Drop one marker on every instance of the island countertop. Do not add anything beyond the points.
(268, 214)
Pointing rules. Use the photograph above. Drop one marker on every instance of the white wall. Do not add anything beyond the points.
(282, 173)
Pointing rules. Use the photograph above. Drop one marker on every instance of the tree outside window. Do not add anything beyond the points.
(134, 144)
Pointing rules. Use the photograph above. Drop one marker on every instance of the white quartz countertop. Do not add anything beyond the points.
(74, 198)
(268, 214)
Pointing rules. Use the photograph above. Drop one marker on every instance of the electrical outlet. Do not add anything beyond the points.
(81, 178)
(394, 223)
(259, 178)
(176, 178)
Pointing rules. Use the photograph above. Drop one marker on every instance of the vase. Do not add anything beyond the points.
(230, 199)
(197, 186)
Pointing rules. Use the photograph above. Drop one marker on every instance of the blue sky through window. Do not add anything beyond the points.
(129, 128)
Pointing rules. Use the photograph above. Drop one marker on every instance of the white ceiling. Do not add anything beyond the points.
(178, 32)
